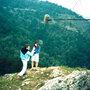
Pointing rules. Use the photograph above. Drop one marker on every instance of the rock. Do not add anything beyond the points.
(51, 84)
(25, 82)
(19, 89)
(56, 72)
(77, 80)
(88, 78)
(9, 76)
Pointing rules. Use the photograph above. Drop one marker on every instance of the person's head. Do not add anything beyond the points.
(27, 47)
(36, 44)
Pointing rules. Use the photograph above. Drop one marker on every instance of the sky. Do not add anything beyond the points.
(81, 7)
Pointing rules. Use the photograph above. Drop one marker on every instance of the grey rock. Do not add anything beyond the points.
(77, 80)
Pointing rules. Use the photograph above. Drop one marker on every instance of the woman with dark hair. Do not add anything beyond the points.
(35, 57)
(25, 56)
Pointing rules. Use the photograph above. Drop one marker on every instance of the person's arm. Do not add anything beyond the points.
(29, 53)
(33, 50)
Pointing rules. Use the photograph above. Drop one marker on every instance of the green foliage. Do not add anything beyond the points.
(63, 42)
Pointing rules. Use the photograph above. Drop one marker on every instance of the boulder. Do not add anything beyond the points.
(77, 80)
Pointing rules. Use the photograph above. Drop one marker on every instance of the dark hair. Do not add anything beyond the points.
(24, 49)
(26, 45)
(36, 42)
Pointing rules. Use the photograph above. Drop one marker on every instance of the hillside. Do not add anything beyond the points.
(52, 78)
(64, 42)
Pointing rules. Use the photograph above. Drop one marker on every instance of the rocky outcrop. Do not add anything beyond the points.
(77, 80)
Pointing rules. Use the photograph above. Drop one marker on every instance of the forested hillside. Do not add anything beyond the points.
(65, 42)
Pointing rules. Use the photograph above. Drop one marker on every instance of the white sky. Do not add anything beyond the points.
(81, 7)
